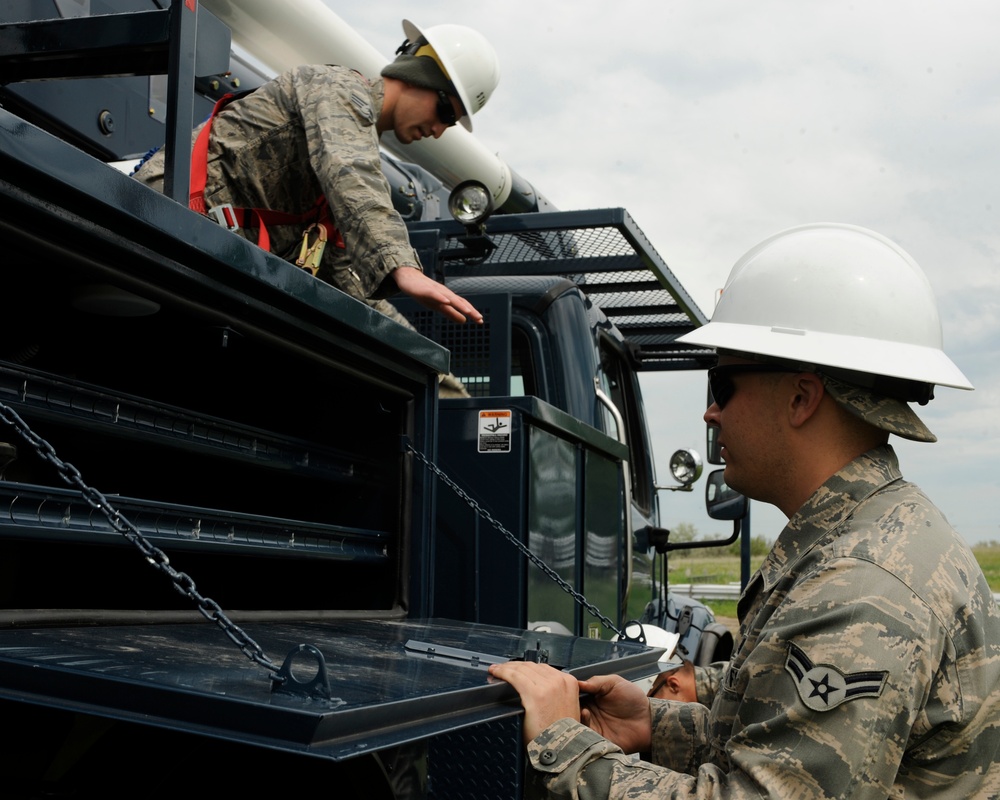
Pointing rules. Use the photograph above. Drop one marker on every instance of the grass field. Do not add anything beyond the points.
(708, 569)
(726, 569)
(989, 560)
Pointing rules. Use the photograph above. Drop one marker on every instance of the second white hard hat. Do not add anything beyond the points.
(833, 295)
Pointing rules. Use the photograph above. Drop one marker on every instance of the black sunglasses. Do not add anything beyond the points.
(720, 379)
(445, 110)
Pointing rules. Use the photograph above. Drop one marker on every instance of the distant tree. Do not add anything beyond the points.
(679, 534)
(759, 546)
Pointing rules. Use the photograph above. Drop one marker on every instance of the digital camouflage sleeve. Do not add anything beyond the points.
(707, 679)
(868, 666)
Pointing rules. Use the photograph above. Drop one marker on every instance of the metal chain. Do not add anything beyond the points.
(185, 585)
(482, 512)
(156, 557)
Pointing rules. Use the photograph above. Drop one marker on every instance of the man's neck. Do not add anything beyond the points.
(390, 92)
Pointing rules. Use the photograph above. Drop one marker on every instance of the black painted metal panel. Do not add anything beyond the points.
(190, 677)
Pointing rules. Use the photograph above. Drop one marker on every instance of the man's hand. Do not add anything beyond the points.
(619, 711)
(547, 694)
(435, 296)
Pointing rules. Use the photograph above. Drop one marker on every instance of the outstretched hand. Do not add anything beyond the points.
(619, 711)
(435, 296)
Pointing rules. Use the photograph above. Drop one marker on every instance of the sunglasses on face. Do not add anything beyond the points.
(720, 379)
(445, 110)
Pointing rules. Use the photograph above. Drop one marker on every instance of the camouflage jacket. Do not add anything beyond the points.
(310, 133)
(707, 680)
(868, 666)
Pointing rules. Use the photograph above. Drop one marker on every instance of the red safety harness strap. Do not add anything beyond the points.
(260, 218)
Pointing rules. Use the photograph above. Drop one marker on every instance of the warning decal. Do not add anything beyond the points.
(494, 431)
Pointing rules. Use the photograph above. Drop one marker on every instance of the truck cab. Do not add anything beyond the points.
(576, 306)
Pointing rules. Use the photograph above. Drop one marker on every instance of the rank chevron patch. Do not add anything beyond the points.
(822, 686)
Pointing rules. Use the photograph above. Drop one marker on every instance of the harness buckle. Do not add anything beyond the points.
(225, 215)
(310, 254)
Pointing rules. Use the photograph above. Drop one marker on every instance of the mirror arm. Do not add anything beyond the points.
(657, 537)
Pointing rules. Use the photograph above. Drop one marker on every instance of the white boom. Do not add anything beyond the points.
(282, 35)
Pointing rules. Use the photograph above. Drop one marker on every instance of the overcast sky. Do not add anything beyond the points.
(716, 124)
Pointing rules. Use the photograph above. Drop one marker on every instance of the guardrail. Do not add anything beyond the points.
(707, 591)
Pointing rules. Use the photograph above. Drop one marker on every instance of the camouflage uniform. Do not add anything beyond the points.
(707, 681)
(310, 133)
(868, 667)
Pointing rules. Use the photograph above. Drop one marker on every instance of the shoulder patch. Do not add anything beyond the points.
(363, 106)
(823, 687)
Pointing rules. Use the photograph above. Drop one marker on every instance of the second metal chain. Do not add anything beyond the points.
(482, 512)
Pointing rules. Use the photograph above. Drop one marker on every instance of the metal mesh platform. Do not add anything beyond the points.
(606, 254)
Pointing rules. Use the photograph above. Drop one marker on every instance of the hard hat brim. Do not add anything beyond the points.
(859, 354)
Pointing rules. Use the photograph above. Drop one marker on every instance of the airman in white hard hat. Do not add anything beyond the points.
(869, 652)
(450, 59)
(298, 159)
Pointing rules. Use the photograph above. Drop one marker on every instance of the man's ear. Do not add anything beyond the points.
(807, 395)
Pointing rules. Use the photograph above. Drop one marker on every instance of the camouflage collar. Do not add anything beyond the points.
(378, 96)
(829, 507)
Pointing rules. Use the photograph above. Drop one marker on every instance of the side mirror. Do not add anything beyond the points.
(714, 455)
(714, 452)
(721, 502)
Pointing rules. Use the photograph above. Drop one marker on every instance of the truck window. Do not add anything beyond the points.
(522, 365)
(552, 529)
(620, 382)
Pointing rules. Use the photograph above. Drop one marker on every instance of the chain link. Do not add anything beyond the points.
(482, 512)
(156, 557)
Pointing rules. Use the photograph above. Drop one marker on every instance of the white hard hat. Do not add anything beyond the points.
(833, 295)
(469, 61)
(652, 635)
